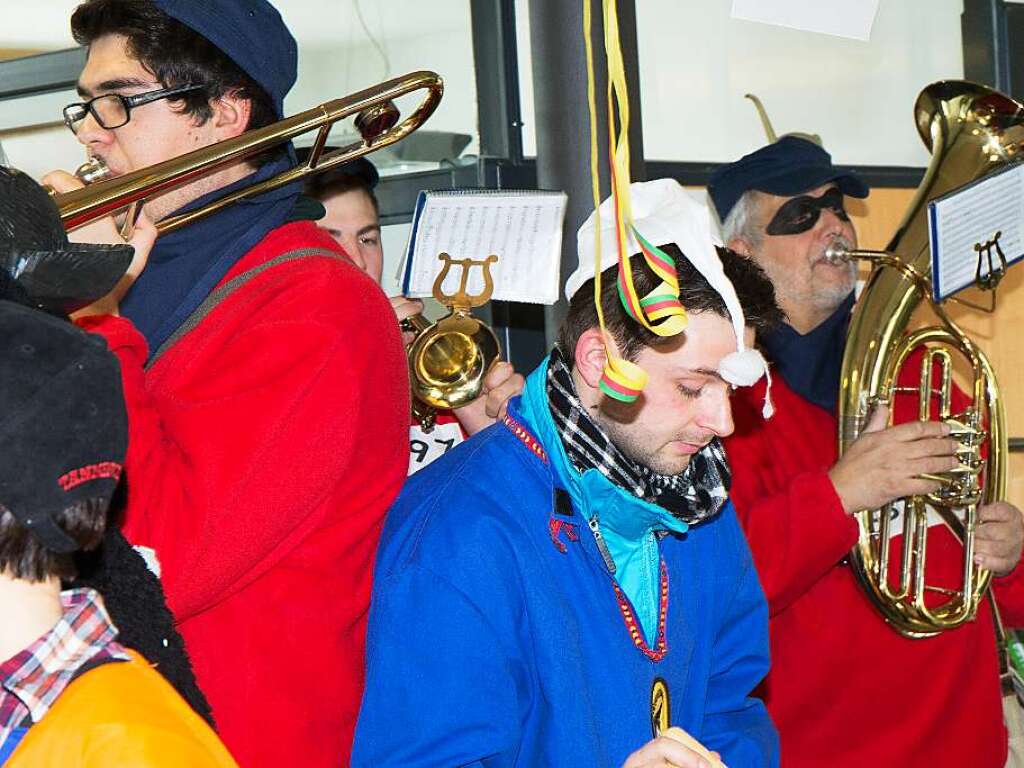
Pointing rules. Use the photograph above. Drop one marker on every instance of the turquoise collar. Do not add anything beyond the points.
(619, 512)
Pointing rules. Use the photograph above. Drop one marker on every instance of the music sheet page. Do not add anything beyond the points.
(973, 215)
(522, 228)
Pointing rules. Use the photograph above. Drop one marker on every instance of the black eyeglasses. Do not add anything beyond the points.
(112, 110)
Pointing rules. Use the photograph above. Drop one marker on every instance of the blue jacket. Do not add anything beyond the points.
(497, 636)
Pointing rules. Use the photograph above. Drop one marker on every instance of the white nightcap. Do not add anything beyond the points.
(663, 212)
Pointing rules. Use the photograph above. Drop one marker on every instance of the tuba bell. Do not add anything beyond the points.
(972, 131)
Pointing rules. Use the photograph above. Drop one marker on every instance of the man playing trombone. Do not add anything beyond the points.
(264, 376)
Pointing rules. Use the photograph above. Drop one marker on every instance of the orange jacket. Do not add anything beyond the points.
(120, 714)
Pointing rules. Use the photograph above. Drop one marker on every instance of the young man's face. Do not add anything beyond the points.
(154, 132)
(796, 263)
(353, 222)
(685, 403)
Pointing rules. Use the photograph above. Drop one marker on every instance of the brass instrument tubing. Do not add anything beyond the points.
(106, 197)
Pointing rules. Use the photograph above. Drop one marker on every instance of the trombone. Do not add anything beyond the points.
(377, 119)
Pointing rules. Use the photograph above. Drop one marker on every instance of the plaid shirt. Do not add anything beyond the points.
(32, 680)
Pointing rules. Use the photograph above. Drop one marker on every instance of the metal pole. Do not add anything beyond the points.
(562, 114)
(985, 45)
(497, 79)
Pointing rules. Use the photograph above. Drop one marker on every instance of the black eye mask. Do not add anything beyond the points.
(802, 213)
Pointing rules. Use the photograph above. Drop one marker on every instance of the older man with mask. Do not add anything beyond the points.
(846, 689)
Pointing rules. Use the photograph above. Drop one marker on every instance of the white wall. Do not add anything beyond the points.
(393, 239)
(33, 136)
(696, 63)
(339, 53)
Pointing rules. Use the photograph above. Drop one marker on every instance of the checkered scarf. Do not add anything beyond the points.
(695, 494)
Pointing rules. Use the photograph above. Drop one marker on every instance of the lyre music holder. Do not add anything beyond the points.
(461, 301)
(987, 280)
(448, 361)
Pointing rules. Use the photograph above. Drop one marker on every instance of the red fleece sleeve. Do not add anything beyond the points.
(1009, 592)
(793, 518)
(247, 434)
(796, 535)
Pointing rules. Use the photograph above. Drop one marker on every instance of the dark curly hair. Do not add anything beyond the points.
(175, 54)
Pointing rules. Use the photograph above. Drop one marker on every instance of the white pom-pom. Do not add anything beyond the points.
(743, 368)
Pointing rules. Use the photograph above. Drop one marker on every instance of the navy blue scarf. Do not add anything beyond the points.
(186, 265)
(810, 363)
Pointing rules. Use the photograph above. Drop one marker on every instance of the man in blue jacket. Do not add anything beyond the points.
(539, 588)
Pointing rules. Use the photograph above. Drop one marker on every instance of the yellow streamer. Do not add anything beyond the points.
(620, 376)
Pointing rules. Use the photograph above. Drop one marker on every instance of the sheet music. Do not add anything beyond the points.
(971, 215)
(522, 227)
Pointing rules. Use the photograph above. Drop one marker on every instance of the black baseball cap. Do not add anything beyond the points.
(789, 166)
(36, 255)
(63, 424)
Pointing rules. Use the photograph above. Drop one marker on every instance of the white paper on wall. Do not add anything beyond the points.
(842, 18)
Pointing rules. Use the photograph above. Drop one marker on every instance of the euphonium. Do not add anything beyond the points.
(971, 130)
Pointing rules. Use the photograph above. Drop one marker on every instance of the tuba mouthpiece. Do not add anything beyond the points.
(837, 252)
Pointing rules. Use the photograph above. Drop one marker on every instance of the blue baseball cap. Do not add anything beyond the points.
(790, 166)
(251, 33)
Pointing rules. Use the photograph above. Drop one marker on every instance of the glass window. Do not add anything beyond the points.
(344, 46)
(696, 64)
(347, 46)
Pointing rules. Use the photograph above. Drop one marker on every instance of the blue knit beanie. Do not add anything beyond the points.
(251, 33)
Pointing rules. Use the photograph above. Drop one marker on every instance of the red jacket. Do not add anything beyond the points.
(264, 449)
(845, 690)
